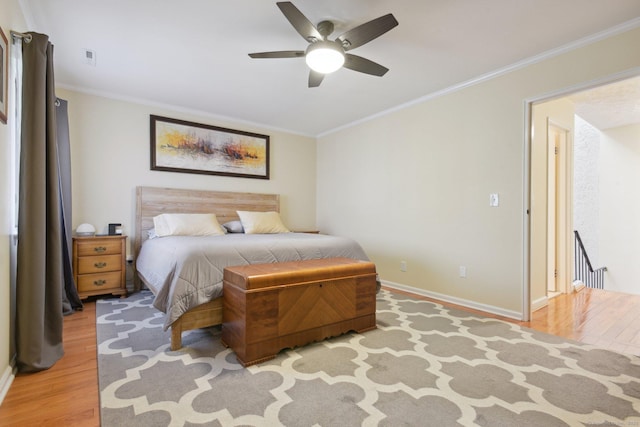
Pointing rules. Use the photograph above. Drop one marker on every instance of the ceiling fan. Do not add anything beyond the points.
(326, 56)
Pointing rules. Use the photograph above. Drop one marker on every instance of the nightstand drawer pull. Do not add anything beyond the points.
(100, 264)
(99, 249)
(99, 282)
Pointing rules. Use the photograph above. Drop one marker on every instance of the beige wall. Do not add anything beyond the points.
(10, 19)
(414, 185)
(110, 157)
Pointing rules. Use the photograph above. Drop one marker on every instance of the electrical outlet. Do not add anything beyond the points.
(463, 271)
(403, 265)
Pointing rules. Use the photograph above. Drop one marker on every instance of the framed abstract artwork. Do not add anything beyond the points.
(181, 146)
(4, 75)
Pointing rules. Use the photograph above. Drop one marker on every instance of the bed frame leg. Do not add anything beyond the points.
(137, 282)
(176, 336)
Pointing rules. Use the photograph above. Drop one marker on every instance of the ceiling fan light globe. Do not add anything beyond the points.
(325, 57)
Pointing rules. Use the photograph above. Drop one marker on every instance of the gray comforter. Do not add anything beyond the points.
(184, 272)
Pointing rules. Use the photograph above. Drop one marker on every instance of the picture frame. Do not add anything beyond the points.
(188, 147)
(4, 76)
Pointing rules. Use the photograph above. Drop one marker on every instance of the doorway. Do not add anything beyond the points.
(550, 228)
(551, 195)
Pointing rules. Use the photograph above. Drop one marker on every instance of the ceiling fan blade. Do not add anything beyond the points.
(315, 78)
(279, 54)
(363, 65)
(366, 32)
(300, 22)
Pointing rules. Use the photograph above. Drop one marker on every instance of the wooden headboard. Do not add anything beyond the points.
(152, 201)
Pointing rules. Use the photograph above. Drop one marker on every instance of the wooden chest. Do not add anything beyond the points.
(270, 307)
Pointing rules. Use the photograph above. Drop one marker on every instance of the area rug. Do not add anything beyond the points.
(425, 365)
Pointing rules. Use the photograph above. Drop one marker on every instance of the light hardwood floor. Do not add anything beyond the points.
(67, 394)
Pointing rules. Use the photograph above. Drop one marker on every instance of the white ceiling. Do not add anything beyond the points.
(192, 55)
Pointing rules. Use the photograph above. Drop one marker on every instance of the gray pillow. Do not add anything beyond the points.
(233, 227)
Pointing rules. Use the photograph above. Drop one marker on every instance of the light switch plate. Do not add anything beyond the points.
(494, 200)
(462, 270)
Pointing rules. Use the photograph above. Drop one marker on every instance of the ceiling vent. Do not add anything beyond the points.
(90, 57)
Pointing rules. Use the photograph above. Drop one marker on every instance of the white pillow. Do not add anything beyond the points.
(262, 222)
(188, 225)
(160, 225)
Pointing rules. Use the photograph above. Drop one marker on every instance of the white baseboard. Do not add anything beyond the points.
(454, 300)
(577, 286)
(539, 303)
(6, 380)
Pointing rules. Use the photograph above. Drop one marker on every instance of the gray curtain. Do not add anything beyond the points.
(40, 277)
(70, 299)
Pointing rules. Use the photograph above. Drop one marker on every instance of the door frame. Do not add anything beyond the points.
(526, 179)
(562, 207)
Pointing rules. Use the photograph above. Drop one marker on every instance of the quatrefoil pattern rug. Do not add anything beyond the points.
(425, 365)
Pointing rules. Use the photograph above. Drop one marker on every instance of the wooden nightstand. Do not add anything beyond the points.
(99, 265)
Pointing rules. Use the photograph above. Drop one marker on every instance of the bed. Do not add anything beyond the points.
(185, 273)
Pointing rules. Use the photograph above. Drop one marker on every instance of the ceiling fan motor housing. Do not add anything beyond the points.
(325, 28)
